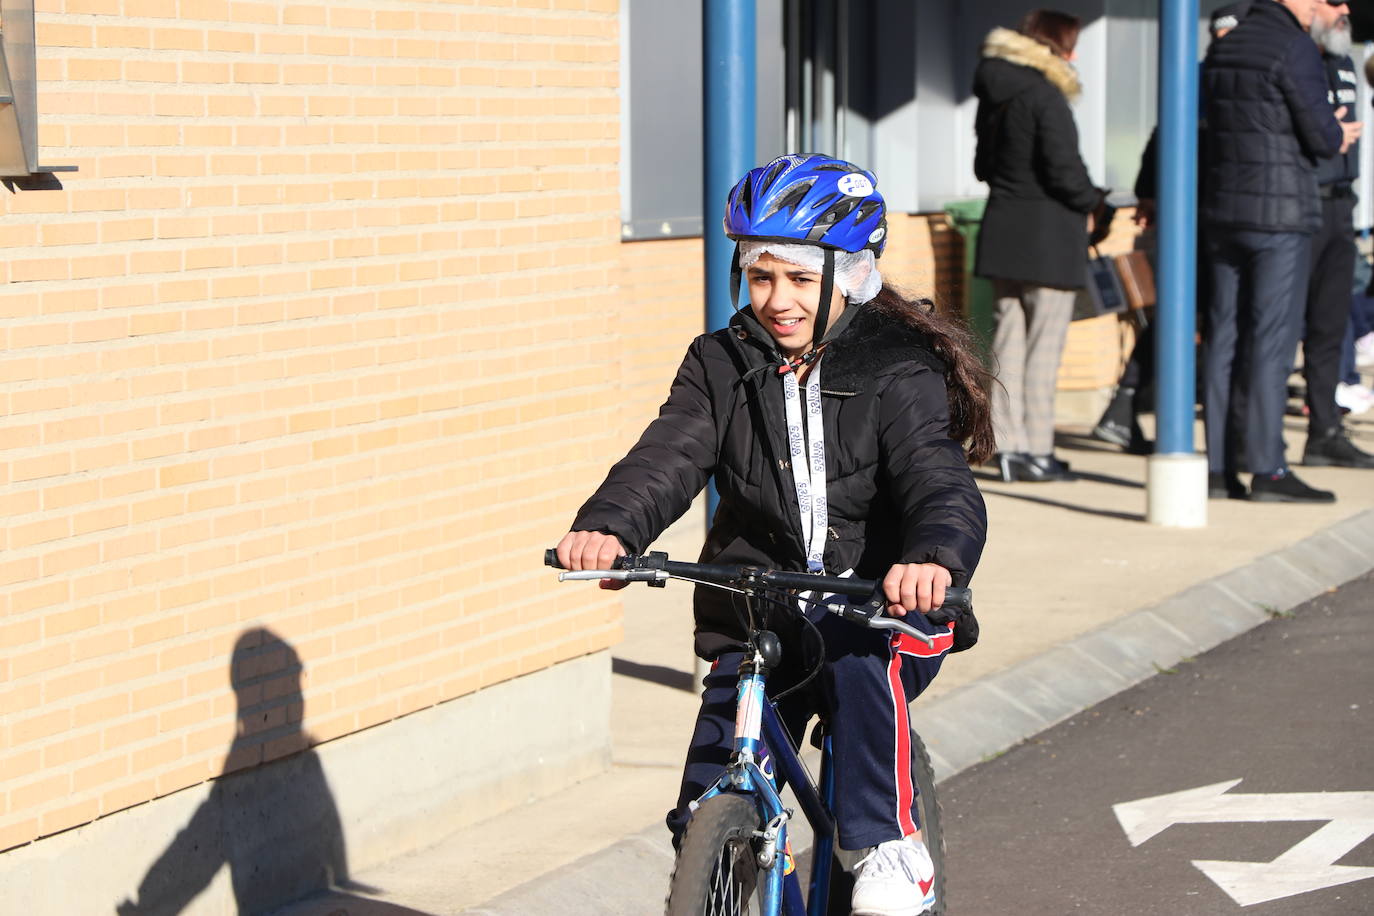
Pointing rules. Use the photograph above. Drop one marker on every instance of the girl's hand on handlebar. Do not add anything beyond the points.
(591, 550)
(915, 587)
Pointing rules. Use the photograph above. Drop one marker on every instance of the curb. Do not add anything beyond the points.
(985, 718)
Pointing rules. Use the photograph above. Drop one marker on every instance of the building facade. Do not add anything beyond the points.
(343, 310)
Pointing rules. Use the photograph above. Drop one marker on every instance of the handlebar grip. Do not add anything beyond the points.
(958, 599)
(551, 559)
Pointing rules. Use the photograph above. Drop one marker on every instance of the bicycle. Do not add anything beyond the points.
(734, 857)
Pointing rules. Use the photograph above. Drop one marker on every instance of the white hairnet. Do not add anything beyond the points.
(856, 272)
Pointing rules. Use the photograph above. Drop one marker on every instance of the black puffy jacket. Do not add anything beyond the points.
(899, 489)
(1268, 122)
(1035, 227)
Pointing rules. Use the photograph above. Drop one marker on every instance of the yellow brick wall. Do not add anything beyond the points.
(313, 343)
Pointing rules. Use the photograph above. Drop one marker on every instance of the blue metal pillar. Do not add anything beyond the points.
(728, 63)
(1177, 182)
(1176, 477)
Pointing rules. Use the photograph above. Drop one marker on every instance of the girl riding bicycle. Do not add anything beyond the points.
(830, 413)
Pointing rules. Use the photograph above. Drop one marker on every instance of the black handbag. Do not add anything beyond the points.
(1103, 294)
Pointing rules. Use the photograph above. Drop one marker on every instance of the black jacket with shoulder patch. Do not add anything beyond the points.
(899, 489)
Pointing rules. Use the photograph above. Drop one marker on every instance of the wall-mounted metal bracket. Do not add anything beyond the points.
(19, 94)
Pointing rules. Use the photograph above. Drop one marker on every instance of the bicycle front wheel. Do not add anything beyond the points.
(717, 870)
(928, 802)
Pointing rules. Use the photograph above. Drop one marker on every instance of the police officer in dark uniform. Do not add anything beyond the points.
(1333, 257)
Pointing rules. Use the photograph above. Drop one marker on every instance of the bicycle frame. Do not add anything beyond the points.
(760, 737)
(758, 729)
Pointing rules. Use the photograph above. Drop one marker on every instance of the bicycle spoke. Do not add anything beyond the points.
(727, 888)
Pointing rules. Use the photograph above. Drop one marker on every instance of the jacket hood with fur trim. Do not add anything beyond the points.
(1015, 48)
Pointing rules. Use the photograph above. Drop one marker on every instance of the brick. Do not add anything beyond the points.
(171, 39)
(99, 774)
(39, 532)
(62, 561)
(157, 757)
(37, 727)
(40, 792)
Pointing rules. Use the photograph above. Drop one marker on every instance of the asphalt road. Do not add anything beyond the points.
(1286, 710)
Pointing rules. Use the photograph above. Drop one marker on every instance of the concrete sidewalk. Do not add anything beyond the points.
(1078, 599)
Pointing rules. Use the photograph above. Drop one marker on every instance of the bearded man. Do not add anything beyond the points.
(1333, 257)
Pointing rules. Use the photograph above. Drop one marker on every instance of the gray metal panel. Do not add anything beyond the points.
(1133, 75)
(664, 43)
(771, 90)
(661, 181)
(941, 140)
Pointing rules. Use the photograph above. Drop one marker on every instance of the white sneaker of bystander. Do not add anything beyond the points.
(1364, 351)
(1355, 398)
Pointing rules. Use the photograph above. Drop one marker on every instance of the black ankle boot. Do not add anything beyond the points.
(1051, 468)
(1013, 466)
(1008, 465)
(1118, 419)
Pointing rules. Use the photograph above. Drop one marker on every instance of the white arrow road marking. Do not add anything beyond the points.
(1308, 866)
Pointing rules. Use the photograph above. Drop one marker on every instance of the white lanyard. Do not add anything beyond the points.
(807, 445)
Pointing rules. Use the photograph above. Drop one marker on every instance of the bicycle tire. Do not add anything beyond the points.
(720, 833)
(928, 802)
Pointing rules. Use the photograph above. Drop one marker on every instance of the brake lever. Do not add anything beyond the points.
(871, 614)
(625, 575)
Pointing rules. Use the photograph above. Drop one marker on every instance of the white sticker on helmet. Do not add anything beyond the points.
(876, 234)
(855, 185)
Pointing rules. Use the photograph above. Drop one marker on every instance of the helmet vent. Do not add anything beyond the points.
(791, 200)
(866, 210)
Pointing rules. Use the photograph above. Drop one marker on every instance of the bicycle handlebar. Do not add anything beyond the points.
(655, 568)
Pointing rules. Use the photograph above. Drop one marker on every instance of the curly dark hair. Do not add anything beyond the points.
(967, 379)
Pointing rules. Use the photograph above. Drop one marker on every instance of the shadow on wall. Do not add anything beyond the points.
(275, 825)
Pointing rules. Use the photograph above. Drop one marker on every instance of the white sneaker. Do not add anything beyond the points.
(1364, 351)
(1355, 398)
(896, 878)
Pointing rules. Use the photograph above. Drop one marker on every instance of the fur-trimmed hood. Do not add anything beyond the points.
(1015, 48)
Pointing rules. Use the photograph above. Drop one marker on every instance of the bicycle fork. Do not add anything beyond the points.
(761, 741)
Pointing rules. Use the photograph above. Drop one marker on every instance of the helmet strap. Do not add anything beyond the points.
(735, 274)
(827, 290)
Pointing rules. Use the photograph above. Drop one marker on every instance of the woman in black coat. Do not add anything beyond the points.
(867, 477)
(1034, 236)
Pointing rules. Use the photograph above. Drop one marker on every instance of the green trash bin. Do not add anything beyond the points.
(966, 216)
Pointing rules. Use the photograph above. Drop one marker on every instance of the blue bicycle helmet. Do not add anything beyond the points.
(811, 199)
